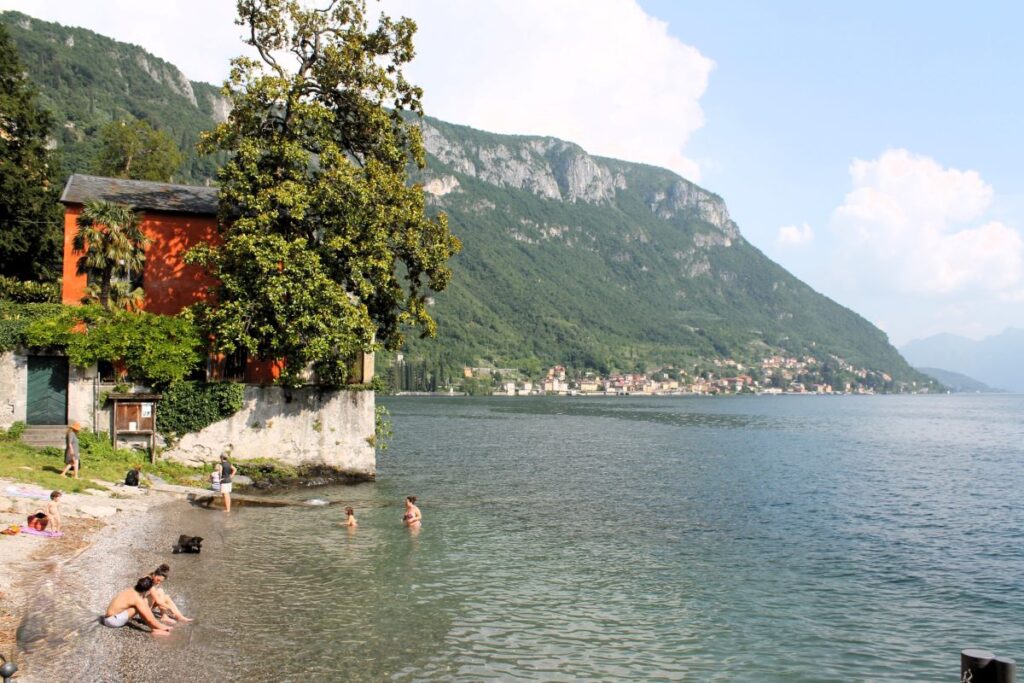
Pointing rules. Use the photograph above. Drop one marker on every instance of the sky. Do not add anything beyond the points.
(870, 148)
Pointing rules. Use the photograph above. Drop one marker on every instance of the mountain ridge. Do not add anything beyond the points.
(569, 258)
(994, 360)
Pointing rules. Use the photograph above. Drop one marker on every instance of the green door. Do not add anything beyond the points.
(47, 390)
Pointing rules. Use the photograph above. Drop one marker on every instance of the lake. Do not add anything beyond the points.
(759, 539)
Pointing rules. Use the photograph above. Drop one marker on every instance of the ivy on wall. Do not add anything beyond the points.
(155, 349)
(190, 406)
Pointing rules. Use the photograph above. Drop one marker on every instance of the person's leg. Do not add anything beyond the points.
(64, 472)
(76, 467)
(227, 501)
(173, 609)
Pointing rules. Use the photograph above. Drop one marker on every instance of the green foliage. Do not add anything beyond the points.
(155, 349)
(14, 432)
(135, 149)
(87, 80)
(326, 249)
(15, 319)
(30, 225)
(29, 292)
(188, 407)
(113, 247)
(382, 430)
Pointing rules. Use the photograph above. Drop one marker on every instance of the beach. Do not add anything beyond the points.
(52, 588)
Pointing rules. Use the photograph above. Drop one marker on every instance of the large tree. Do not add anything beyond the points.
(30, 218)
(326, 248)
(135, 149)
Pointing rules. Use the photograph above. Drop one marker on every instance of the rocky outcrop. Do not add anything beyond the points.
(559, 170)
(168, 75)
(220, 107)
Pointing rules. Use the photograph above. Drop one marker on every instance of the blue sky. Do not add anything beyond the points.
(801, 89)
(870, 148)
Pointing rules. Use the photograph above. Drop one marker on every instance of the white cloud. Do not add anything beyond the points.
(913, 226)
(601, 73)
(197, 36)
(795, 235)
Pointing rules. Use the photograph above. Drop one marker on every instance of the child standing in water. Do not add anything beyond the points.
(350, 518)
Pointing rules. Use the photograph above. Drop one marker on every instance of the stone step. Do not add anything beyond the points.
(44, 435)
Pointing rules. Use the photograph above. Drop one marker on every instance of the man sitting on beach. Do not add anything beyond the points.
(159, 600)
(132, 602)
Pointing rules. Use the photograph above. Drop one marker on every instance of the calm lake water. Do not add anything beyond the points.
(746, 539)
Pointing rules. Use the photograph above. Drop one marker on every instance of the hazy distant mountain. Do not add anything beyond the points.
(995, 360)
(956, 381)
(568, 258)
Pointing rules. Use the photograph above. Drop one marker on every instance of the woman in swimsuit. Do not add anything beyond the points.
(412, 517)
(350, 518)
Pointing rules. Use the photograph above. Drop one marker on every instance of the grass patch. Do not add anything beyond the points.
(100, 460)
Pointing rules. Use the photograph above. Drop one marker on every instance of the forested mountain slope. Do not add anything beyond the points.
(568, 258)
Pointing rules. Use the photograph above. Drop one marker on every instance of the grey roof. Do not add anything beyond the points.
(141, 194)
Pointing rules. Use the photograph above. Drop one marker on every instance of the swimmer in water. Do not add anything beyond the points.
(131, 602)
(350, 518)
(412, 518)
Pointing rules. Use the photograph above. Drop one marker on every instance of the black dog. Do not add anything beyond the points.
(188, 544)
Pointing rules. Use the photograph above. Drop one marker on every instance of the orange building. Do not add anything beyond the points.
(175, 218)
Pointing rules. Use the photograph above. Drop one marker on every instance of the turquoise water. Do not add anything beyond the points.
(746, 539)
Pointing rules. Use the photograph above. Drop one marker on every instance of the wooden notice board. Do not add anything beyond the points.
(135, 415)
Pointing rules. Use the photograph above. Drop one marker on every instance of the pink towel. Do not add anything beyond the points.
(44, 534)
(26, 492)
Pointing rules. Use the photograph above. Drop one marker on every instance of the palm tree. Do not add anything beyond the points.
(114, 247)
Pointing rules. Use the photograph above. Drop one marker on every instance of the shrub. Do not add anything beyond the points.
(190, 406)
(29, 292)
(14, 432)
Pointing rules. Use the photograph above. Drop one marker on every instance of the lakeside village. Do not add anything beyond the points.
(773, 375)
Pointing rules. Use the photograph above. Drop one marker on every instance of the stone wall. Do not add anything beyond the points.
(296, 427)
(13, 388)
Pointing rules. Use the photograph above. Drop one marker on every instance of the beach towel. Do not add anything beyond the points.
(44, 534)
(27, 492)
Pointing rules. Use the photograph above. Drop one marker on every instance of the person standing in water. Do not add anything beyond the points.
(350, 518)
(227, 470)
(412, 518)
(71, 459)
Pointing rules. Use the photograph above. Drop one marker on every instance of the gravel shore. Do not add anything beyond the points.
(53, 589)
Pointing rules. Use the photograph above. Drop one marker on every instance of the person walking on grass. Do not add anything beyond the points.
(71, 459)
(227, 470)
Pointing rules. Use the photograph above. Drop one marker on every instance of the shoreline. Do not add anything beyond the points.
(97, 525)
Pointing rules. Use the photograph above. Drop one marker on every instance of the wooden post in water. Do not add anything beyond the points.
(981, 666)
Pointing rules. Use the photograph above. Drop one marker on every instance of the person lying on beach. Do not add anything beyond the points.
(131, 602)
(159, 600)
(350, 517)
(412, 517)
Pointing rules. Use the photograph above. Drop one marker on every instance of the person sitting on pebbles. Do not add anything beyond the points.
(159, 600)
(131, 602)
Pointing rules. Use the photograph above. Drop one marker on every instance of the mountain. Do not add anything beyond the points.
(994, 360)
(568, 258)
(955, 381)
(87, 80)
